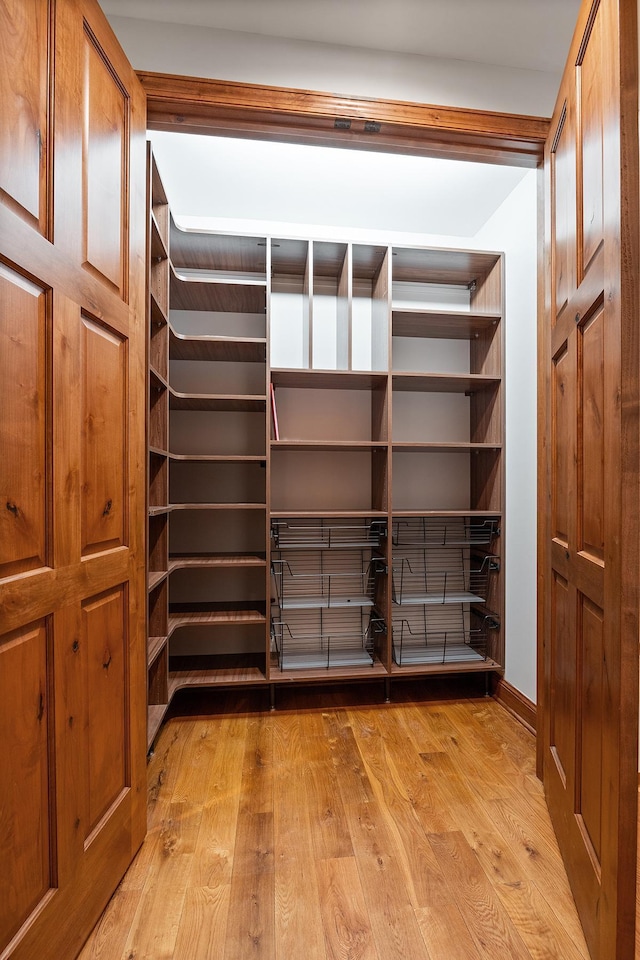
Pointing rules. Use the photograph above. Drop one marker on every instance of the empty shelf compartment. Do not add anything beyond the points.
(425, 635)
(316, 639)
(445, 531)
(326, 534)
(441, 576)
(315, 578)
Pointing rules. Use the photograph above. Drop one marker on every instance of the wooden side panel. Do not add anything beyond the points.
(592, 143)
(104, 640)
(562, 412)
(24, 428)
(24, 95)
(26, 783)
(104, 436)
(589, 808)
(563, 166)
(105, 166)
(563, 679)
(591, 436)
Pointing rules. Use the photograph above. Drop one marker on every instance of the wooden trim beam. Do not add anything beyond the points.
(225, 108)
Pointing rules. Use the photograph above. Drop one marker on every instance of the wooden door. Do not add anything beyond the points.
(72, 473)
(589, 474)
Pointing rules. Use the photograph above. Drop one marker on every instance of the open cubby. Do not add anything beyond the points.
(327, 479)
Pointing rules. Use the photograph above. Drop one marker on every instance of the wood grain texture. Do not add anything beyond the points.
(589, 474)
(200, 105)
(74, 141)
(432, 858)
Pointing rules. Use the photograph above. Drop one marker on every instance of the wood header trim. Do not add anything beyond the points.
(228, 108)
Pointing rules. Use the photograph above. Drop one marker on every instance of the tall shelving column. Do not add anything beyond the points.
(157, 443)
(448, 465)
(329, 459)
(218, 476)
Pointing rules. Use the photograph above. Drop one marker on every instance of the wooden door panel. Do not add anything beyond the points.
(563, 162)
(562, 671)
(592, 140)
(72, 392)
(591, 437)
(589, 805)
(24, 434)
(590, 472)
(25, 39)
(104, 432)
(104, 641)
(27, 787)
(562, 443)
(105, 166)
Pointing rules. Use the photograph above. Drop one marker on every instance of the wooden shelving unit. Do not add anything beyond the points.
(157, 442)
(324, 388)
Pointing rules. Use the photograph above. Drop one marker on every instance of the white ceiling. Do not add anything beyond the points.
(532, 34)
(301, 187)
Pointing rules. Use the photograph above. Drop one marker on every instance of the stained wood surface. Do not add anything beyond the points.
(197, 105)
(337, 827)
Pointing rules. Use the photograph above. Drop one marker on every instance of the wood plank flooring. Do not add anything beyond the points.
(342, 828)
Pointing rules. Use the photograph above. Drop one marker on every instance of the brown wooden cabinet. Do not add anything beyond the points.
(327, 502)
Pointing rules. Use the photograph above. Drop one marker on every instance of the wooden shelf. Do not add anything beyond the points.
(439, 324)
(231, 349)
(216, 295)
(215, 671)
(443, 266)
(158, 510)
(231, 403)
(328, 514)
(155, 578)
(424, 669)
(444, 382)
(155, 715)
(213, 614)
(327, 674)
(437, 447)
(156, 379)
(158, 316)
(218, 251)
(155, 647)
(327, 445)
(216, 561)
(328, 379)
(217, 458)
(446, 513)
(158, 246)
(233, 505)
(159, 452)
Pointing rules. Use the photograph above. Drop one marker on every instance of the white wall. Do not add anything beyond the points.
(224, 54)
(512, 229)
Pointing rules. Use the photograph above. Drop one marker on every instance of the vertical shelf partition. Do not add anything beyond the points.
(326, 460)
(157, 447)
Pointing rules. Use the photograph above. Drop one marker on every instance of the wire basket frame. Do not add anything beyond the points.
(444, 531)
(320, 579)
(335, 534)
(311, 639)
(442, 577)
(424, 636)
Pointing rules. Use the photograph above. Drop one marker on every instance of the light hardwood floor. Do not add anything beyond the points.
(340, 829)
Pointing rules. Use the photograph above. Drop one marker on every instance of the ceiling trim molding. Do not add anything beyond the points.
(227, 108)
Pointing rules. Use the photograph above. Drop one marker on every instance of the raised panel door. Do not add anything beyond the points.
(72, 581)
(589, 450)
